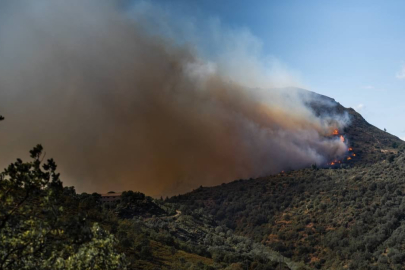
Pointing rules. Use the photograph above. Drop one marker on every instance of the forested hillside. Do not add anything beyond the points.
(326, 218)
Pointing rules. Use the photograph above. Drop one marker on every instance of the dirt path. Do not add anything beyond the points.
(178, 213)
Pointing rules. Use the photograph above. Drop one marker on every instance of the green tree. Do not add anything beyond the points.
(130, 197)
(42, 226)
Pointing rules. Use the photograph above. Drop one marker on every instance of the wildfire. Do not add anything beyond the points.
(335, 162)
(350, 149)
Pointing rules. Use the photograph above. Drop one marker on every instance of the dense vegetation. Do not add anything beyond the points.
(326, 218)
(44, 225)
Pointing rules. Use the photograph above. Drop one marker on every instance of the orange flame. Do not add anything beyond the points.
(350, 149)
(333, 163)
(336, 132)
(354, 154)
(349, 158)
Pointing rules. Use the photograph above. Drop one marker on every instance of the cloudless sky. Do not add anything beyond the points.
(352, 51)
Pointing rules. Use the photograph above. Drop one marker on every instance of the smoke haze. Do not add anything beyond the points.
(133, 98)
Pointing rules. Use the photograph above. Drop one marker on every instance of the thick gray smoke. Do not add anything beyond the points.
(121, 103)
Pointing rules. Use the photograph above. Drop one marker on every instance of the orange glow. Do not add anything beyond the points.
(342, 138)
(349, 158)
(354, 155)
(336, 132)
(333, 163)
(350, 149)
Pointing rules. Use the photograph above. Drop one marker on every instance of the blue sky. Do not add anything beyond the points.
(352, 51)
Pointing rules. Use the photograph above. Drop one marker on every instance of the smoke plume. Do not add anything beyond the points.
(128, 97)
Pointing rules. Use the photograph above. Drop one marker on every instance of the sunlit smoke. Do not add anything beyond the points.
(121, 102)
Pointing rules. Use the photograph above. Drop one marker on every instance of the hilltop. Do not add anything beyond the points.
(369, 143)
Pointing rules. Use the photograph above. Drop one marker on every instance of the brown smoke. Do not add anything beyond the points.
(121, 107)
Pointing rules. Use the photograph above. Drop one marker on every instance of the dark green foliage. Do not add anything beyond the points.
(137, 204)
(314, 167)
(44, 225)
(342, 216)
(129, 197)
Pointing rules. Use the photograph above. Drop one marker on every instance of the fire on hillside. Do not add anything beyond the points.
(350, 154)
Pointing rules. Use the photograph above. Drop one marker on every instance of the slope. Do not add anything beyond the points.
(338, 217)
(327, 218)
